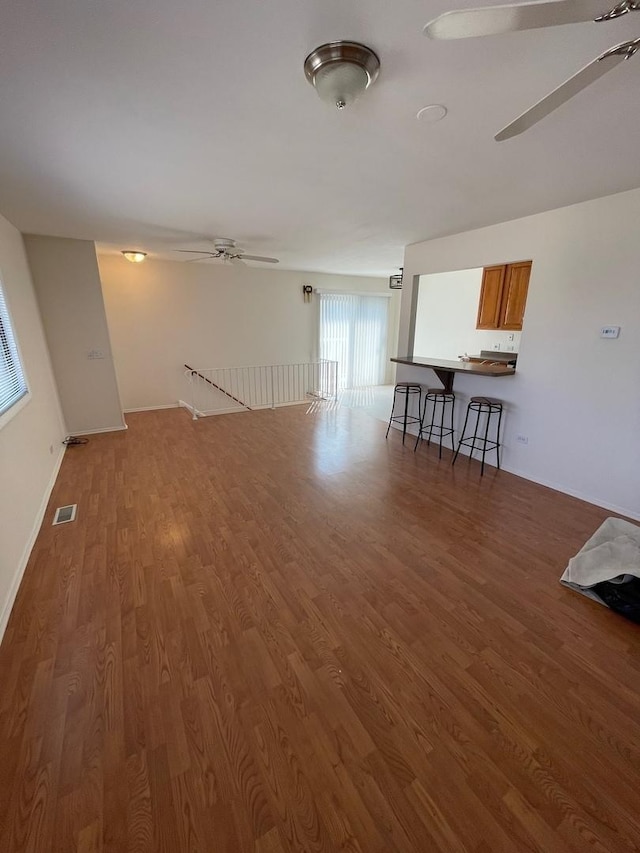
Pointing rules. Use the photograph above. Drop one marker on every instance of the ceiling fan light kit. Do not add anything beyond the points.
(494, 20)
(340, 71)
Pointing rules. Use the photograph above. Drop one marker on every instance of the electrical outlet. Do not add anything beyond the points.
(522, 439)
(609, 331)
(95, 353)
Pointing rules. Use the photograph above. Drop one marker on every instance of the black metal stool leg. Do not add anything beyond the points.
(432, 424)
(455, 455)
(498, 437)
(406, 412)
(485, 440)
(453, 403)
(431, 419)
(442, 403)
(479, 438)
(409, 390)
(422, 416)
(393, 406)
(475, 433)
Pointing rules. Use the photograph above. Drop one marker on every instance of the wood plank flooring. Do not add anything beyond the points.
(277, 632)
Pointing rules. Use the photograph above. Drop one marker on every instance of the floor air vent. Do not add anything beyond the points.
(65, 514)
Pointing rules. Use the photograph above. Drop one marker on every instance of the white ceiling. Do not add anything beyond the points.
(146, 123)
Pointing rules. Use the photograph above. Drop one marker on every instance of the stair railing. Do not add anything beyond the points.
(217, 387)
(260, 387)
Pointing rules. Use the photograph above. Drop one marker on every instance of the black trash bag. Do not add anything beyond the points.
(624, 598)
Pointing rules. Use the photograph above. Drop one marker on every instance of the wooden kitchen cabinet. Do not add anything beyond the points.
(491, 297)
(503, 296)
(514, 296)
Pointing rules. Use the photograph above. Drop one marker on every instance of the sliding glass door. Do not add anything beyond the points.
(353, 332)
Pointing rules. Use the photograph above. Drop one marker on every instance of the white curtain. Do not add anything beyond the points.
(353, 332)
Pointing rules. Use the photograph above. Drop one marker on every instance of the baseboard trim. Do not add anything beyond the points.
(573, 493)
(212, 412)
(231, 410)
(22, 565)
(549, 484)
(98, 431)
(154, 408)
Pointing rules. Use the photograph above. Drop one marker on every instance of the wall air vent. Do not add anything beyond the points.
(65, 514)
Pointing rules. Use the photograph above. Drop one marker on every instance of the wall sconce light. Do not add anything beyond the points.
(307, 290)
(395, 281)
(134, 256)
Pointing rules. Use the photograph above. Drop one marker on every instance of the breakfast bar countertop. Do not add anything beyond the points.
(446, 369)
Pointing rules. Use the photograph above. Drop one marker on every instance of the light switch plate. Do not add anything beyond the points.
(609, 331)
(95, 353)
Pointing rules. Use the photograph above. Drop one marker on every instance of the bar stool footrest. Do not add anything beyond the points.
(434, 432)
(411, 419)
(479, 443)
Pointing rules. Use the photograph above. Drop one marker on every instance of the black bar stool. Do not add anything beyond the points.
(488, 407)
(406, 390)
(438, 397)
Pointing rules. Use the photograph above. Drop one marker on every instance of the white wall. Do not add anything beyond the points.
(67, 282)
(446, 317)
(162, 314)
(30, 442)
(576, 396)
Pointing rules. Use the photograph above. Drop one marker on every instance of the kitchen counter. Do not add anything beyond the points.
(446, 370)
(496, 355)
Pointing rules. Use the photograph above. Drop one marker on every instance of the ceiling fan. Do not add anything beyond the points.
(226, 249)
(492, 20)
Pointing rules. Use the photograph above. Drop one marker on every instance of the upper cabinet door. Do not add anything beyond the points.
(514, 297)
(493, 279)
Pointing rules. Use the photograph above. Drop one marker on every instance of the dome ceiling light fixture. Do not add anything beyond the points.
(134, 255)
(340, 71)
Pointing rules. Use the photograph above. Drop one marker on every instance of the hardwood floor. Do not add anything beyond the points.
(278, 632)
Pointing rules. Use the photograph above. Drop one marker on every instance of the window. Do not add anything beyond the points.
(13, 385)
(353, 332)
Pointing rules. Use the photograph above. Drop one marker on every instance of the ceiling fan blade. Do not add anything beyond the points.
(235, 259)
(204, 255)
(583, 78)
(195, 252)
(258, 258)
(490, 20)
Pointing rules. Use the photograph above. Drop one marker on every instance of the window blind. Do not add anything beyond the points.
(353, 332)
(13, 385)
